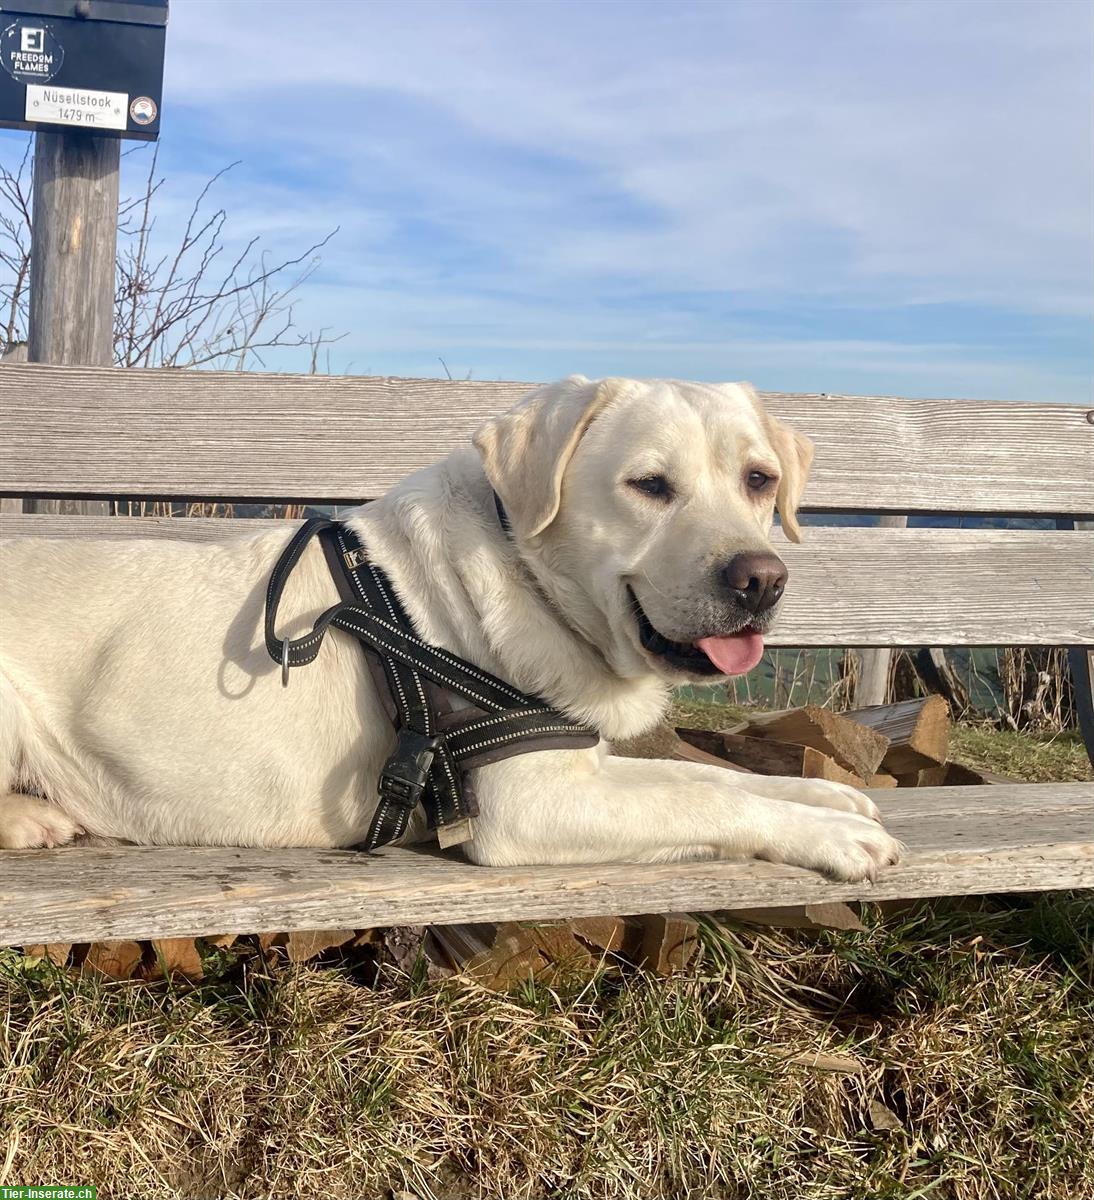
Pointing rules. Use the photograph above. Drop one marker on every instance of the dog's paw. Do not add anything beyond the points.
(845, 846)
(29, 823)
(822, 793)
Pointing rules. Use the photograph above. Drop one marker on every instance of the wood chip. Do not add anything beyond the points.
(882, 1118)
(843, 1064)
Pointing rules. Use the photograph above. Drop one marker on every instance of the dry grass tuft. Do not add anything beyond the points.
(946, 1053)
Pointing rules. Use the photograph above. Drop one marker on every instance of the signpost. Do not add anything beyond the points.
(83, 64)
(82, 74)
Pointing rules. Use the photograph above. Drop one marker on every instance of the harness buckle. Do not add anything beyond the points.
(406, 772)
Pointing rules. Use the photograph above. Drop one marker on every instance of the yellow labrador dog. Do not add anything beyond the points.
(137, 699)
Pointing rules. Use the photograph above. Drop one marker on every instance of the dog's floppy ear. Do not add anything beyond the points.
(525, 451)
(795, 453)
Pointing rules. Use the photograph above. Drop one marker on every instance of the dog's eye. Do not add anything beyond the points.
(653, 485)
(758, 480)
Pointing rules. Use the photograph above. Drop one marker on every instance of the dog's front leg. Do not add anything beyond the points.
(585, 807)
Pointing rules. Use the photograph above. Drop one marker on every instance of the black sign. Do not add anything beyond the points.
(83, 64)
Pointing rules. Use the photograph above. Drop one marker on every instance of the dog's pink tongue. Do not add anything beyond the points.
(736, 654)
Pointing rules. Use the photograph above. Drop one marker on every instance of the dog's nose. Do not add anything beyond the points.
(757, 580)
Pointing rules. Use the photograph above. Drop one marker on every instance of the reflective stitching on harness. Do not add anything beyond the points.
(515, 737)
(508, 715)
(346, 623)
(394, 675)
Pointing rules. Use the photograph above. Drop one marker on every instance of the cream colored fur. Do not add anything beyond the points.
(137, 700)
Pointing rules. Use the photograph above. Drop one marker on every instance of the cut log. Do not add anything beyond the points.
(557, 944)
(855, 747)
(116, 960)
(958, 775)
(511, 959)
(924, 777)
(500, 955)
(616, 935)
(952, 775)
(882, 780)
(305, 944)
(835, 915)
(308, 944)
(918, 732)
(669, 942)
(687, 750)
(765, 756)
(173, 956)
(56, 952)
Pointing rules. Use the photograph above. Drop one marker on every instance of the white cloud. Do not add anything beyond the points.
(873, 155)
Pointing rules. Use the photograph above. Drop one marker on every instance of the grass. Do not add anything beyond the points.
(945, 1052)
(1032, 757)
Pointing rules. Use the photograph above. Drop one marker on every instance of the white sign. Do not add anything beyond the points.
(77, 106)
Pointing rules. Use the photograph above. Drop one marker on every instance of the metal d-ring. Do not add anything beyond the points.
(285, 663)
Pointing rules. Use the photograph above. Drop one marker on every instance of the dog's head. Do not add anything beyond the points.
(644, 508)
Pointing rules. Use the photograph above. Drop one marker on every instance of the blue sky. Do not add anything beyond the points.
(874, 197)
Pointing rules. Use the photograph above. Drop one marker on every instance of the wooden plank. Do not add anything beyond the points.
(1081, 664)
(960, 841)
(309, 437)
(848, 586)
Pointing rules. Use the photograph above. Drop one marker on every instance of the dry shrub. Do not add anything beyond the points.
(1037, 688)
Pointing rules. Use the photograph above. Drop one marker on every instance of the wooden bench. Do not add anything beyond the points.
(144, 435)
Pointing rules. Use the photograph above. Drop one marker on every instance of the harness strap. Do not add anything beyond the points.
(435, 745)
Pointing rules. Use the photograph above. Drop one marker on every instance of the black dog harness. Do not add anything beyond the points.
(436, 744)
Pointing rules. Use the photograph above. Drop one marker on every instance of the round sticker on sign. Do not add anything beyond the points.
(143, 110)
(29, 52)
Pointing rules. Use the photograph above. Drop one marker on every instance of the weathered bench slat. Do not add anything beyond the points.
(850, 586)
(108, 432)
(961, 841)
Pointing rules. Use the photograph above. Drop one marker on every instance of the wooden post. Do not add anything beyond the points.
(1081, 661)
(73, 247)
(873, 665)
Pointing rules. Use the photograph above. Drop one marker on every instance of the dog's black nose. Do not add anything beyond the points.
(756, 580)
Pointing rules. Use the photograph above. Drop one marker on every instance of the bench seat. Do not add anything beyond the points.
(180, 436)
(967, 840)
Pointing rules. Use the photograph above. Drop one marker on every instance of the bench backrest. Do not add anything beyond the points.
(98, 432)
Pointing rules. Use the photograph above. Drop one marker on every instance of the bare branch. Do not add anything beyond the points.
(194, 303)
